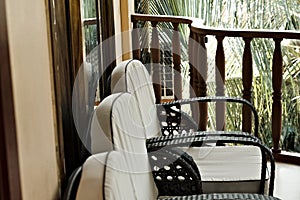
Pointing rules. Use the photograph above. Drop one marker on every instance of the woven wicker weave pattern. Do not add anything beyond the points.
(224, 196)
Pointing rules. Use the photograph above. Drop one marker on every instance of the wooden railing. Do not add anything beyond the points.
(198, 66)
(247, 72)
(155, 50)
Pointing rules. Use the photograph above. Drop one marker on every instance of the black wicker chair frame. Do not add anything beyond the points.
(178, 125)
(174, 121)
(224, 196)
(73, 184)
(198, 139)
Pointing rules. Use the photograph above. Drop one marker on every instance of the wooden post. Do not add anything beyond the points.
(247, 77)
(277, 85)
(177, 62)
(135, 41)
(155, 62)
(202, 78)
(220, 84)
(198, 76)
(192, 55)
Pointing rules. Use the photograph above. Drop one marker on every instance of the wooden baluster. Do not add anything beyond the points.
(220, 84)
(277, 85)
(136, 53)
(202, 78)
(155, 62)
(247, 77)
(198, 76)
(193, 53)
(177, 62)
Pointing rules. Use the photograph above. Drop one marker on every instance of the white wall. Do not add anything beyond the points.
(31, 74)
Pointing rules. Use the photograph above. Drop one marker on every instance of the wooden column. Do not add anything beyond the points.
(202, 78)
(220, 84)
(155, 62)
(198, 76)
(247, 77)
(193, 53)
(135, 41)
(177, 61)
(277, 85)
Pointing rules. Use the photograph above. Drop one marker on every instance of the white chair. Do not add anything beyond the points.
(121, 128)
(105, 176)
(223, 169)
(124, 173)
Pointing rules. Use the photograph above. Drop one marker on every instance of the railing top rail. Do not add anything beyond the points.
(89, 21)
(162, 18)
(198, 27)
(246, 33)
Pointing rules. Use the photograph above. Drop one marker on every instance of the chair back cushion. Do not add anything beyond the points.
(104, 176)
(121, 125)
(132, 76)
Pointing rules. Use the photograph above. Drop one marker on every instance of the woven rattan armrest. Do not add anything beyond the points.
(175, 172)
(174, 121)
(178, 103)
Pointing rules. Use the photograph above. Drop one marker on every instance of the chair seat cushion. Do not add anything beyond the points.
(228, 168)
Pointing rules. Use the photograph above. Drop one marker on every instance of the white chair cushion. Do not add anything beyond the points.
(131, 76)
(99, 141)
(121, 124)
(228, 168)
(104, 176)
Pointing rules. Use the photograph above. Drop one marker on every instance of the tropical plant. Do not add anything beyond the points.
(89, 31)
(253, 14)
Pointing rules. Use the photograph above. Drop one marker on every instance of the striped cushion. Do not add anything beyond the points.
(122, 130)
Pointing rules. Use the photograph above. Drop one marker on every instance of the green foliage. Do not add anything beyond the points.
(90, 31)
(89, 8)
(253, 14)
(90, 35)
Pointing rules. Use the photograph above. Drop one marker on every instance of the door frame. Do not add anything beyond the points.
(67, 57)
(10, 184)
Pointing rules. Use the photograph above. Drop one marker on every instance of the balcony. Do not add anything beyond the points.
(198, 60)
(285, 185)
(198, 68)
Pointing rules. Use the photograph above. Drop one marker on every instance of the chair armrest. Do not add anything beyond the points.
(175, 173)
(73, 184)
(173, 121)
(224, 196)
(216, 99)
(198, 139)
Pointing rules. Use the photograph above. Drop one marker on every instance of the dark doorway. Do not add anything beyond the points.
(67, 51)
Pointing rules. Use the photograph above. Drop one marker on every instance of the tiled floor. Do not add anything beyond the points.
(287, 182)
